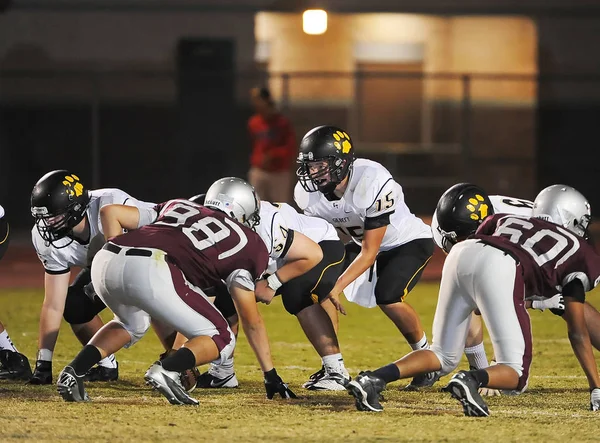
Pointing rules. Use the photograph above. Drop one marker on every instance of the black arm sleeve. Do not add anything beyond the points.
(574, 289)
(4, 236)
(378, 222)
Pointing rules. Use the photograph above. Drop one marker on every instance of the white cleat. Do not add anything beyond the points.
(168, 383)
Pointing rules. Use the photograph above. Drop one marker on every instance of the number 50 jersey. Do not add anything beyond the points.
(550, 255)
(372, 199)
(206, 245)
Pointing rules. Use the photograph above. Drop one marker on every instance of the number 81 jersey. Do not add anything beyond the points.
(372, 199)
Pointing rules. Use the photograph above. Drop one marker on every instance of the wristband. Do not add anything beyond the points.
(273, 282)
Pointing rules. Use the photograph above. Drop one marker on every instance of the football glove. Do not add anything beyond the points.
(595, 400)
(489, 392)
(275, 385)
(554, 303)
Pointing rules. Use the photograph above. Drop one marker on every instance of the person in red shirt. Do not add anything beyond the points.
(273, 149)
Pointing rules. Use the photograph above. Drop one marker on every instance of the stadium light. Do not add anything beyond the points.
(314, 21)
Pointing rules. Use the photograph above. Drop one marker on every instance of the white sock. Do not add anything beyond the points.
(334, 363)
(223, 369)
(6, 343)
(421, 344)
(108, 362)
(45, 355)
(476, 356)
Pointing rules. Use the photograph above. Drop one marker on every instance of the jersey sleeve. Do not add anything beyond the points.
(281, 237)
(383, 204)
(4, 233)
(435, 231)
(51, 262)
(1, 211)
(588, 270)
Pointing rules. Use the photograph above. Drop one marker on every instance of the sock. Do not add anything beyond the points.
(481, 376)
(88, 357)
(108, 362)
(222, 370)
(45, 355)
(388, 373)
(334, 363)
(6, 343)
(476, 356)
(421, 344)
(182, 360)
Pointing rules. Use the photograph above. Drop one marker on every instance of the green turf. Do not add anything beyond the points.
(555, 408)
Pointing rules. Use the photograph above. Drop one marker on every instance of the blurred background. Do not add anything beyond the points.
(152, 96)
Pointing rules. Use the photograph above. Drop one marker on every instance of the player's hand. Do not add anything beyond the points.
(488, 392)
(595, 400)
(263, 292)
(557, 303)
(275, 385)
(336, 302)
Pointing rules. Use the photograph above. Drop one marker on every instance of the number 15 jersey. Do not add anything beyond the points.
(372, 199)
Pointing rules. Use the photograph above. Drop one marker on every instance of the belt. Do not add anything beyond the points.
(111, 247)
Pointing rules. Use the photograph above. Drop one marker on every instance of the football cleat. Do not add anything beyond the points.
(101, 373)
(314, 377)
(330, 381)
(423, 381)
(168, 383)
(42, 375)
(208, 380)
(465, 389)
(189, 378)
(366, 389)
(70, 386)
(14, 366)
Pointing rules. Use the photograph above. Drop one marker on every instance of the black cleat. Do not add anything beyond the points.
(14, 366)
(42, 375)
(70, 386)
(423, 381)
(465, 389)
(101, 373)
(366, 389)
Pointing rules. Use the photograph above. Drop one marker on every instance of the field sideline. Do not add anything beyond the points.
(555, 408)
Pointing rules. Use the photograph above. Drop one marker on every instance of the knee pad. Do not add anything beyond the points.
(79, 308)
(136, 331)
(448, 362)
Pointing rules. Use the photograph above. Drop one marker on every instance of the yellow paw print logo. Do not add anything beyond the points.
(73, 186)
(479, 210)
(342, 141)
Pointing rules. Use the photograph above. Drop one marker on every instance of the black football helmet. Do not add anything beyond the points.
(326, 157)
(58, 203)
(460, 211)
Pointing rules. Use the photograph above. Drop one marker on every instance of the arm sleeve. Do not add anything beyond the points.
(383, 206)
(575, 290)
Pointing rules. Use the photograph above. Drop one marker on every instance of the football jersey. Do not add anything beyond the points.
(57, 260)
(502, 205)
(550, 255)
(1, 211)
(371, 193)
(4, 231)
(206, 245)
(276, 221)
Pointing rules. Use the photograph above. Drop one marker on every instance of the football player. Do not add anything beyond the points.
(508, 258)
(13, 365)
(391, 246)
(66, 234)
(284, 231)
(160, 271)
(462, 222)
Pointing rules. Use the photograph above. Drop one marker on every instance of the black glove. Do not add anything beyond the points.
(42, 374)
(274, 384)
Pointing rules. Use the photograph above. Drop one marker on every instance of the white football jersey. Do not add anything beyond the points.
(1, 211)
(371, 192)
(502, 205)
(276, 219)
(57, 260)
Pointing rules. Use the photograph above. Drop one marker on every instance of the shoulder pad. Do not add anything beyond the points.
(305, 199)
(367, 188)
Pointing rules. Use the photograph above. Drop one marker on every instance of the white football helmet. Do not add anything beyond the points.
(235, 197)
(565, 206)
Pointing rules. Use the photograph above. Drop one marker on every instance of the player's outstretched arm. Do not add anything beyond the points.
(115, 218)
(256, 333)
(579, 337)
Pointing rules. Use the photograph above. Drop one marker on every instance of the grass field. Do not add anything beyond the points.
(554, 408)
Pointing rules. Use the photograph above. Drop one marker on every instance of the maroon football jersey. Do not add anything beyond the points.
(205, 244)
(550, 255)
